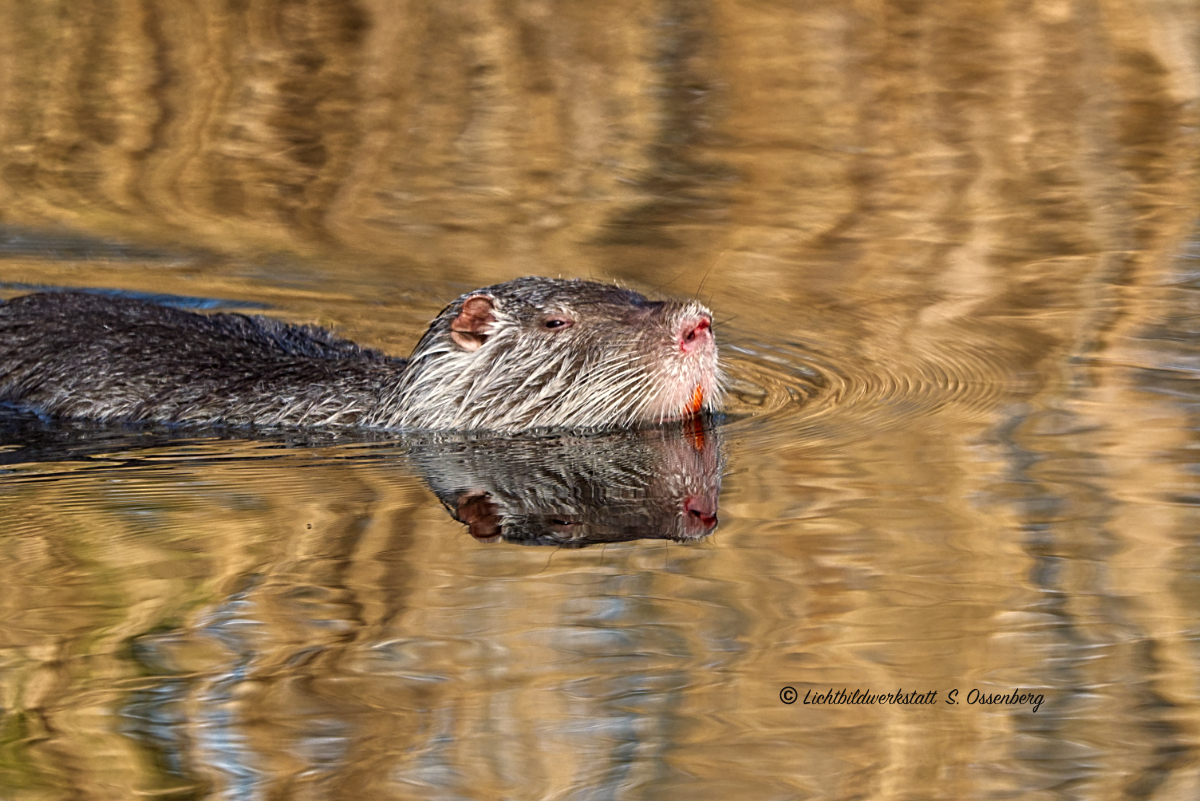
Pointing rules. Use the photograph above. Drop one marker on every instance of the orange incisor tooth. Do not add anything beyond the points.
(697, 400)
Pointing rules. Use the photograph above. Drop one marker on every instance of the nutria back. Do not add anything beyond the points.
(108, 358)
(529, 353)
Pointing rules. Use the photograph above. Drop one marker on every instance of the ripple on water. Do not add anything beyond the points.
(795, 385)
(768, 379)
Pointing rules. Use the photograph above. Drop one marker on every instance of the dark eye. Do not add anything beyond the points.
(557, 323)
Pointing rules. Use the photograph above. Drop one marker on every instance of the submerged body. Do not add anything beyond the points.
(528, 353)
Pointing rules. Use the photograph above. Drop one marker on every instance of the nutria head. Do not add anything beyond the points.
(552, 353)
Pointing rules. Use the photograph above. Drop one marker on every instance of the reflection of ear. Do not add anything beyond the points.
(481, 514)
(470, 328)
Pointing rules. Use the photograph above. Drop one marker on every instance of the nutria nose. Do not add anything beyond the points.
(697, 332)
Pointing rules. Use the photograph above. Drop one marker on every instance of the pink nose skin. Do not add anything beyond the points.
(697, 333)
(698, 512)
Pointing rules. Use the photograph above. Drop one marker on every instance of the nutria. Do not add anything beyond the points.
(528, 353)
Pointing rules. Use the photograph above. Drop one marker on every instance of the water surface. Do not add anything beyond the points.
(954, 254)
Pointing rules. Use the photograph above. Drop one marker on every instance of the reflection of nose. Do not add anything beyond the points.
(700, 511)
(696, 333)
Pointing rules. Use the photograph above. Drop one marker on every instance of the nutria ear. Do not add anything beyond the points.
(470, 327)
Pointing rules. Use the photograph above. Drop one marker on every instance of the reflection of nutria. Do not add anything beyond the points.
(529, 353)
(574, 491)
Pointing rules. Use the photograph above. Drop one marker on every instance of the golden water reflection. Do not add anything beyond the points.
(952, 249)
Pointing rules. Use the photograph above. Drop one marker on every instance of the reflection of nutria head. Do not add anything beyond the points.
(574, 491)
(540, 352)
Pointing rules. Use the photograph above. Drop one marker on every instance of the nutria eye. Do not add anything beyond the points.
(557, 323)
